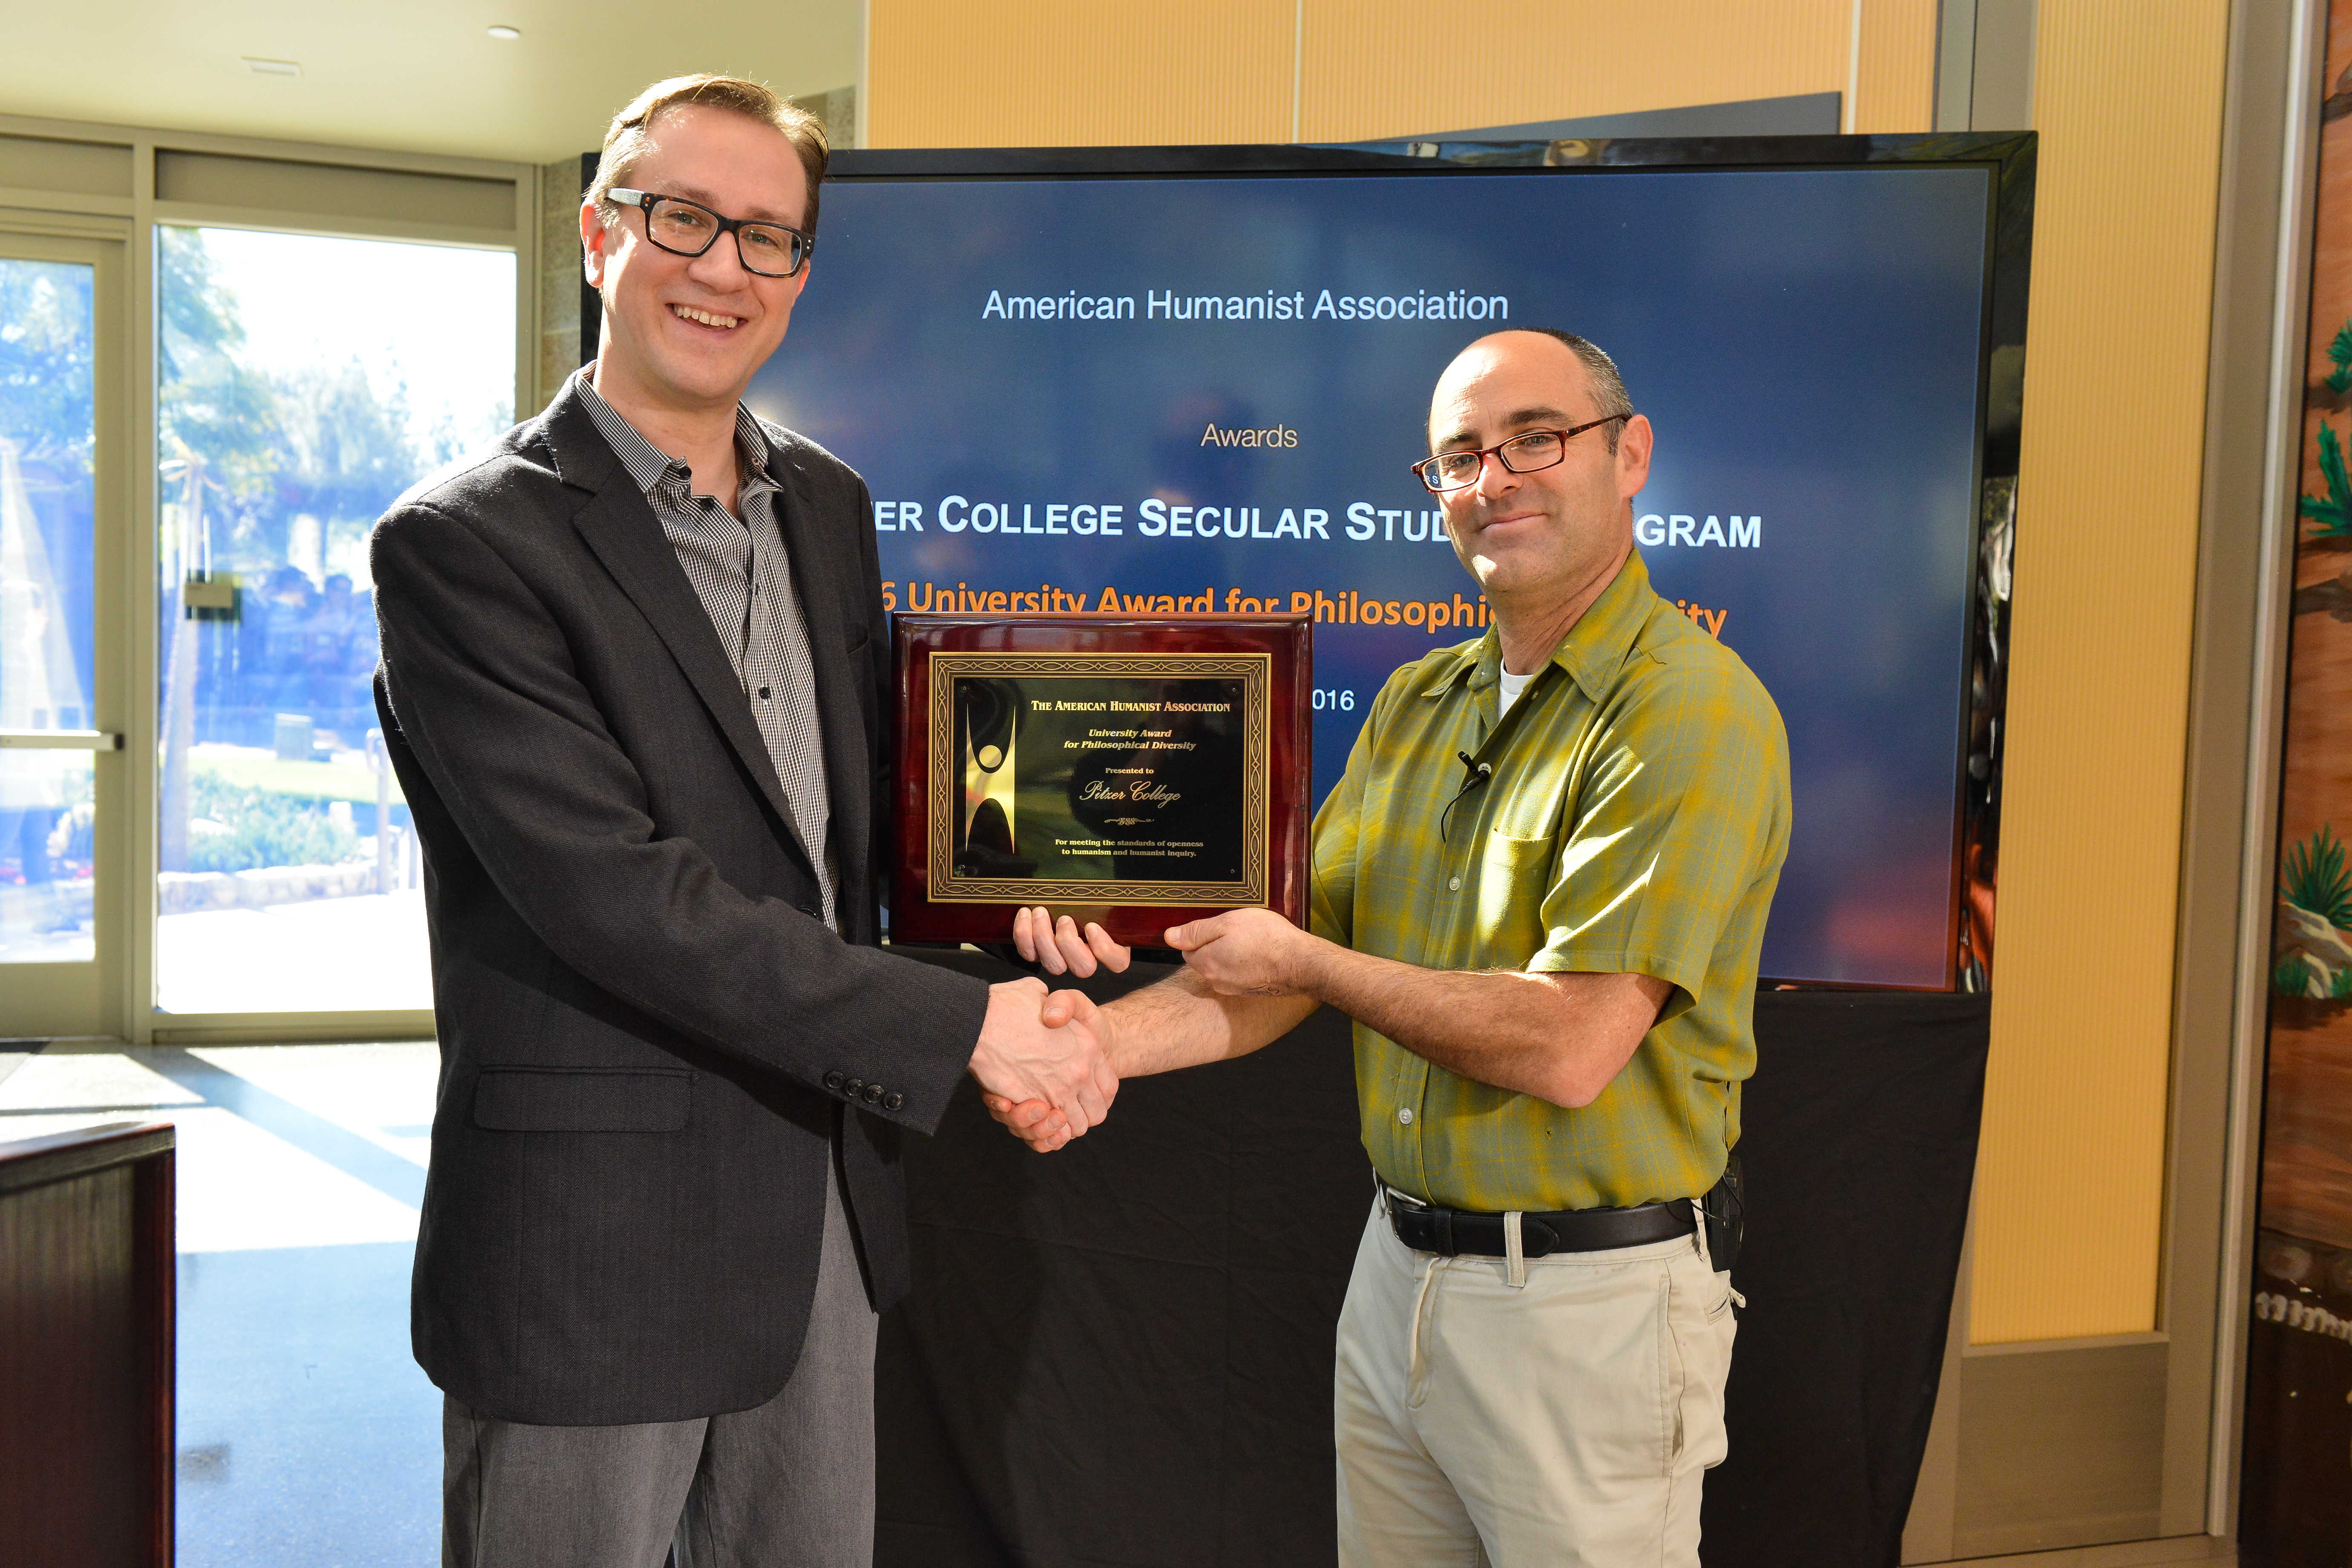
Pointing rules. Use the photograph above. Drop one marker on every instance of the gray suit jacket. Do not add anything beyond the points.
(646, 1039)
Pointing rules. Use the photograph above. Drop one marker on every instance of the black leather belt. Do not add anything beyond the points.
(1453, 1233)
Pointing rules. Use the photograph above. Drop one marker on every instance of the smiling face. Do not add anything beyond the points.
(687, 333)
(1559, 531)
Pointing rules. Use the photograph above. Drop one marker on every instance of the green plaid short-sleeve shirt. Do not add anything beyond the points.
(1634, 823)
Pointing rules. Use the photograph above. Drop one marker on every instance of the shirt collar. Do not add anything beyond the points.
(653, 468)
(1595, 648)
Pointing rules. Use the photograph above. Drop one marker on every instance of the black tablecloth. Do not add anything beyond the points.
(1121, 1353)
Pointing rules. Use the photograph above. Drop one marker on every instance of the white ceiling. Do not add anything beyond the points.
(422, 76)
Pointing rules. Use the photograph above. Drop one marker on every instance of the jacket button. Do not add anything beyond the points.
(834, 1080)
(873, 1094)
(893, 1101)
(853, 1086)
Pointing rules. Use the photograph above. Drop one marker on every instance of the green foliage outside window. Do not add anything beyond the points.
(321, 441)
(207, 401)
(236, 829)
(45, 372)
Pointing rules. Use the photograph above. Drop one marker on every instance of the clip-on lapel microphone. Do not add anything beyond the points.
(1475, 774)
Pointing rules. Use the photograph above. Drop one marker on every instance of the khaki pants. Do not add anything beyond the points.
(1567, 1420)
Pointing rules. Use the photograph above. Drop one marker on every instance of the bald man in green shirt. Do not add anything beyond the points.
(1539, 891)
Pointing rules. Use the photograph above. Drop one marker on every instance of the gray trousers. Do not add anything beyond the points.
(787, 1485)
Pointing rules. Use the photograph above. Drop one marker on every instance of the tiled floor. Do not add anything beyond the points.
(307, 1437)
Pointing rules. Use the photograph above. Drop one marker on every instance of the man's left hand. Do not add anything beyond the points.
(1249, 953)
(1061, 949)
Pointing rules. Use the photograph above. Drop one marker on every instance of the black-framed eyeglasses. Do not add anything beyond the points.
(688, 228)
(1522, 454)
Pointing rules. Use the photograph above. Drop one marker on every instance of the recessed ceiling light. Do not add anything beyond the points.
(504, 33)
(274, 68)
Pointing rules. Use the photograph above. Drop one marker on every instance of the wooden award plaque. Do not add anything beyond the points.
(1136, 773)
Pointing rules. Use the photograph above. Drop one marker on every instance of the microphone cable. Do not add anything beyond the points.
(1475, 774)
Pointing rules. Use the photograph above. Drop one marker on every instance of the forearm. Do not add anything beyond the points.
(1560, 1037)
(535, 810)
(656, 927)
(1180, 1023)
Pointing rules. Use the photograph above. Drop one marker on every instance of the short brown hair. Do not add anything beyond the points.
(1608, 386)
(630, 136)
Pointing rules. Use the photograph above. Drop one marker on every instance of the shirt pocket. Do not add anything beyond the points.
(1514, 875)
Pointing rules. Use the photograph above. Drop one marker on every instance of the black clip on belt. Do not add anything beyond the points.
(1455, 1233)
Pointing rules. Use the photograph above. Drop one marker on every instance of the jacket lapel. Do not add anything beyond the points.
(620, 526)
(809, 547)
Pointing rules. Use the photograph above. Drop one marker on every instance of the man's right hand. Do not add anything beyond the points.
(1035, 1121)
(1025, 1059)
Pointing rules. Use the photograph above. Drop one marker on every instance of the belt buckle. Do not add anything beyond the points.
(1439, 1222)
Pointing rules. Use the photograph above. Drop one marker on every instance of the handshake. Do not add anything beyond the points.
(1044, 1061)
(1049, 1061)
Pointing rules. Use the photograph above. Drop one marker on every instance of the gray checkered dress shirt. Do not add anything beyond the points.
(739, 569)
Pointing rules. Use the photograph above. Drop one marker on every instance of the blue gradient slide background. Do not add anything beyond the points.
(1805, 341)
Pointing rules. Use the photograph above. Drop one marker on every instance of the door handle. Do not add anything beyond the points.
(61, 740)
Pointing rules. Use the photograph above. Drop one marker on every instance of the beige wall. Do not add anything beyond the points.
(2128, 102)
(1049, 73)
(1370, 72)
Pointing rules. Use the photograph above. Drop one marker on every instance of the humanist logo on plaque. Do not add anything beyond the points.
(1136, 773)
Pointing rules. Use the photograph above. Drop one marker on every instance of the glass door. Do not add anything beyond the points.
(302, 383)
(59, 762)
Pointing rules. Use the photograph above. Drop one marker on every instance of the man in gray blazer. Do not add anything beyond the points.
(634, 684)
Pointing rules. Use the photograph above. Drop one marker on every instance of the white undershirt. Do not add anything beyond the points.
(1512, 686)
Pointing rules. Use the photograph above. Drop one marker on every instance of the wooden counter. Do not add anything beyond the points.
(86, 1297)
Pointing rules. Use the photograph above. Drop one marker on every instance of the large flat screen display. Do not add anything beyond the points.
(1177, 395)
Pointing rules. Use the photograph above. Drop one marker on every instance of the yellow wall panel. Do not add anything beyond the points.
(1058, 73)
(1895, 75)
(2070, 1191)
(1393, 67)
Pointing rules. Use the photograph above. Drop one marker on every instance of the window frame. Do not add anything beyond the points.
(226, 182)
(74, 996)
